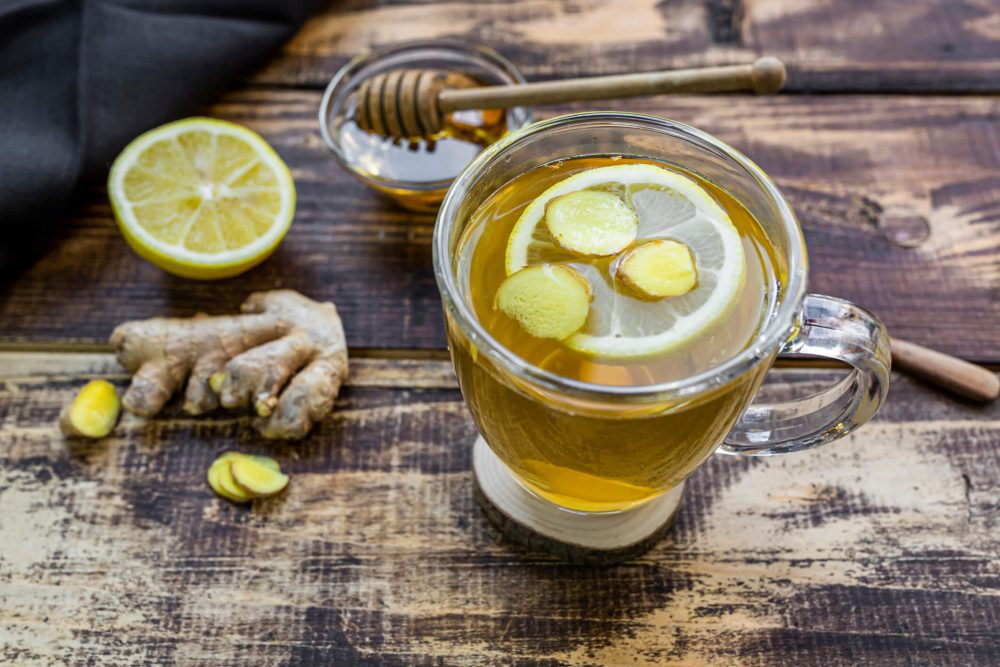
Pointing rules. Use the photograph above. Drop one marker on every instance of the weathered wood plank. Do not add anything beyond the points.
(880, 549)
(847, 46)
(850, 166)
(43, 367)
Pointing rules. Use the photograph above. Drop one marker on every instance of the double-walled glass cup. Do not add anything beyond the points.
(596, 448)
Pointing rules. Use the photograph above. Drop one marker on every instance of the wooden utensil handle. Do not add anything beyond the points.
(765, 76)
(961, 377)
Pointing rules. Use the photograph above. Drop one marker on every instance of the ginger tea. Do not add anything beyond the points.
(618, 272)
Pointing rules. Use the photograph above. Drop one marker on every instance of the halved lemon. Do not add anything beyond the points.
(202, 198)
(668, 206)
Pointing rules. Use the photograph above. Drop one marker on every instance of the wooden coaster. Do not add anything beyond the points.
(539, 525)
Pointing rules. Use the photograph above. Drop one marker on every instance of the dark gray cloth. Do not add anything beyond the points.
(80, 79)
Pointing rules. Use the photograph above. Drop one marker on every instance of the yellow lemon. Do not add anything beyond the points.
(202, 198)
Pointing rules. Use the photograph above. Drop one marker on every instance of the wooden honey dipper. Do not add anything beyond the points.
(410, 103)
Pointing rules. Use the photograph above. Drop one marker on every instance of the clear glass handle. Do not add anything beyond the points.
(834, 329)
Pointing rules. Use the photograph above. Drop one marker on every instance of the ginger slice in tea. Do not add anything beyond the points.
(547, 300)
(658, 269)
(591, 222)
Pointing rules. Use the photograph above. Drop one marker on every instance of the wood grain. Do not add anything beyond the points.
(858, 170)
(880, 549)
(844, 46)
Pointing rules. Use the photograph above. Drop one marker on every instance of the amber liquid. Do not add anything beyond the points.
(437, 159)
(605, 457)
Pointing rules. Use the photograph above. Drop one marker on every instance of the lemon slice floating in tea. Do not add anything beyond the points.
(202, 198)
(662, 258)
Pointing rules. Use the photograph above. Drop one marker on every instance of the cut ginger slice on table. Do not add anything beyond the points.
(257, 479)
(242, 477)
(220, 478)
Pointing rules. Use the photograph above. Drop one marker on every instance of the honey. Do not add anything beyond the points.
(423, 168)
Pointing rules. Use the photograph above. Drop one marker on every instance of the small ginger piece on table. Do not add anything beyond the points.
(93, 413)
(285, 356)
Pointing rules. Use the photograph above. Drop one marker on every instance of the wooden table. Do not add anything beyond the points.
(881, 549)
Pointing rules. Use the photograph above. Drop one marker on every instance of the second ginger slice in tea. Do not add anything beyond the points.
(661, 258)
(658, 269)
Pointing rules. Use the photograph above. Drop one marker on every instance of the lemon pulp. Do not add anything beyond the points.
(202, 198)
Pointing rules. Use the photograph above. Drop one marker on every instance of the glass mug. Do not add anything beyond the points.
(596, 449)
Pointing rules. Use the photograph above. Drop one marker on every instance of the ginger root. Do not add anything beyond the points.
(93, 413)
(285, 356)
